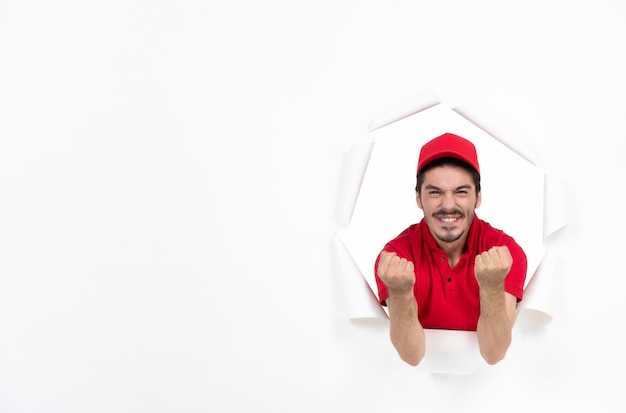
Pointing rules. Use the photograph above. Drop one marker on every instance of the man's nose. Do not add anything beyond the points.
(448, 198)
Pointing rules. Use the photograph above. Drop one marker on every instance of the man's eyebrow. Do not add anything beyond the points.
(431, 186)
(466, 186)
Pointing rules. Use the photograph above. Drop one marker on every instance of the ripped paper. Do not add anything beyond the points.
(379, 202)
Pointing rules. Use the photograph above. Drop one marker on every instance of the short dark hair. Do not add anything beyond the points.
(452, 162)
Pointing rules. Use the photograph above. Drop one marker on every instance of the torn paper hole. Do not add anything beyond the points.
(386, 171)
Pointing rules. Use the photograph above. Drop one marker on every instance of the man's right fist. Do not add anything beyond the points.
(397, 273)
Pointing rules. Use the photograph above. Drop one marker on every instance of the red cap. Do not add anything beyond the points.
(448, 145)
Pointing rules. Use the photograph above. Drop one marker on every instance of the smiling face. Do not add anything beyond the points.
(448, 198)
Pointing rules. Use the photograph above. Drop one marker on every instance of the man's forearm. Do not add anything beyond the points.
(406, 332)
(494, 325)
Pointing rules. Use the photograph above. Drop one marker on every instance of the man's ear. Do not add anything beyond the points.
(479, 199)
(418, 200)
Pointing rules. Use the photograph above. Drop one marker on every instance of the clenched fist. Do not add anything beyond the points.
(397, 273)
(492, 266)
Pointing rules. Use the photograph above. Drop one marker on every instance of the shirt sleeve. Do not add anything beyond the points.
(383, 294)
(514, 281)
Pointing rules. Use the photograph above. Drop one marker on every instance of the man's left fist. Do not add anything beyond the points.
(492, 266)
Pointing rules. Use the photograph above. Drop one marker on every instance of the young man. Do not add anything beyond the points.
(451, 270)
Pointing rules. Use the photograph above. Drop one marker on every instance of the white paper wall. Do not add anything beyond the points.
(169, 186)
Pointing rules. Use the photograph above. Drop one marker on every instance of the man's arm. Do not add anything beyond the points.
(405, 331)
(497, 307)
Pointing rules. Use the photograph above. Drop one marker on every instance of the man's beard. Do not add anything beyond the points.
(449, 236)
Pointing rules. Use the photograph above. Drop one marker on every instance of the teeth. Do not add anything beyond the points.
(448, 220)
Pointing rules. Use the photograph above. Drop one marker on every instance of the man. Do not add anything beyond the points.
(451, 270)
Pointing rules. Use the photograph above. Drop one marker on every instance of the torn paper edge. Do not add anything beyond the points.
(532, 311)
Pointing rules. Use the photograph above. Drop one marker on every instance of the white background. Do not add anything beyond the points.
(168, 183)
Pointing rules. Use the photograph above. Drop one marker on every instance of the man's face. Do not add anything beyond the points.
(448, 199)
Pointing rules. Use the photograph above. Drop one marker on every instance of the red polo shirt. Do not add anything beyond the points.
(447, 298)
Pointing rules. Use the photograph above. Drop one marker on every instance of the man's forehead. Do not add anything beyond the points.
(448, 175)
